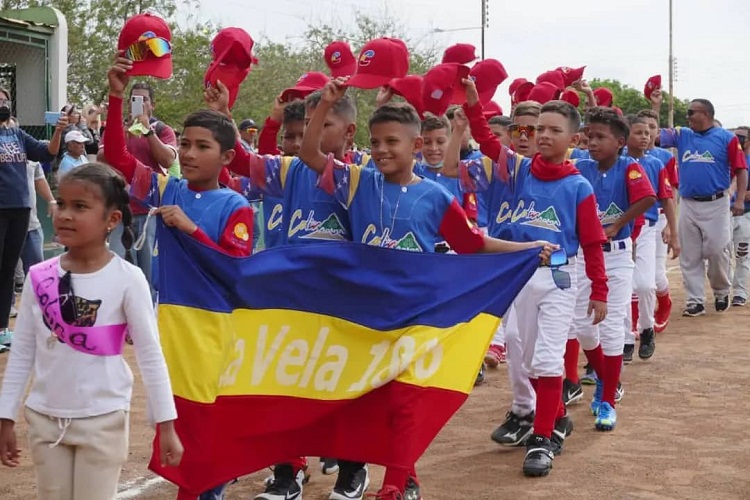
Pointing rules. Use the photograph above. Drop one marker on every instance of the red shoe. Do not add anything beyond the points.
(495, 355)
(663, 311)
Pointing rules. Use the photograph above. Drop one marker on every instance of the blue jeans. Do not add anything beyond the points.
(142, 258)
(33, 249)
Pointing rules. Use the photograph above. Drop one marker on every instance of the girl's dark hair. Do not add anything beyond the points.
(115, 193)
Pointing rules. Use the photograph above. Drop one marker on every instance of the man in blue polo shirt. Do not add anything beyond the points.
(709, 158)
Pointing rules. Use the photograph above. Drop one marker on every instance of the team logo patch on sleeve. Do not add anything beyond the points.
(634, 174)
(240, 231)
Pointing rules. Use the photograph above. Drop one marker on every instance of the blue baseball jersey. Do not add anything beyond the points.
(273, 208)
(578, 154)
(309, 215)
(453, 186)
(657, 175)
(707, 159)
(494, 181)
(616, 189)
(392, 216)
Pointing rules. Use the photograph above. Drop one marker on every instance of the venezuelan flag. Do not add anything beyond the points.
(332, 349)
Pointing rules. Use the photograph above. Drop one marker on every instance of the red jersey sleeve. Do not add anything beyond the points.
(459, 233)
(480, 131)
(248, 164)
(237, 237)
(591, 236)
(665, 186)
(115, 151)
(737, 160)
(637, 182)
(671, 169)
(267, 140)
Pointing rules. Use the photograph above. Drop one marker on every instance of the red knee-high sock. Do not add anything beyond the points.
(548, 400)
(535, 384)
(610, 378)
(571, 360)
(397, 476)
(595, 358)
(634, 312)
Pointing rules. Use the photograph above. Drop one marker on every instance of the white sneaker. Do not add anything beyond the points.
(13, 312)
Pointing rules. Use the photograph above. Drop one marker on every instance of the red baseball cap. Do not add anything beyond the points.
(571, 75)
(571, 96)
(604, 97)
(307, 84)
(492, 109)
(544, 92)
(232, 50)
(522, 92)
(515, 84)
(380, 61)
(340, 59)
(410, 88)
(443, 86)
(488, 75)
(461, 53)
(652, 84)
(146, 40)
(555, 77)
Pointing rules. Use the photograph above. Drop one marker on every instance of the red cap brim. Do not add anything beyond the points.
(158, 67)
(231, 76)
(293, 93)
(344, 69)
(366, 81)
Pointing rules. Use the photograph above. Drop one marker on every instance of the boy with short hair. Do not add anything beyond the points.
(551, 200)
(623, 192)
(499, 126)
(309, 216)
(644, 276)
(383, 204)
(663, 298)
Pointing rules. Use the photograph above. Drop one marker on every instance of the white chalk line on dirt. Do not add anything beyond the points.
(137, 487)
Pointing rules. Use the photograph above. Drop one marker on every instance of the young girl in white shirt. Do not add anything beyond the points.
(75, 313)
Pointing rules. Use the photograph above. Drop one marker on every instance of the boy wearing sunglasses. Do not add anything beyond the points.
(623, 192)
(550, 200)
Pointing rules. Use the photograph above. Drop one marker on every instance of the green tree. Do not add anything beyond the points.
(631, 100)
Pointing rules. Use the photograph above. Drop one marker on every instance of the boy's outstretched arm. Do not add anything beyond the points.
(489, 145)
(310, 152)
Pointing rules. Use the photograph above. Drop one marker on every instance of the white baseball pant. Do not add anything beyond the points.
(524, 397)
(544, 312)
(499, 337)
(662, 282)
(609, 333)
(705, 234)
(644, 275)
(741, 243)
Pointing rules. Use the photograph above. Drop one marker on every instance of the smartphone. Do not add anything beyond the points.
(558, 258)
(51, 117)
(136, 106)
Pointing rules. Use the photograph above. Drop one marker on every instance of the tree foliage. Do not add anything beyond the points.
(631, 101)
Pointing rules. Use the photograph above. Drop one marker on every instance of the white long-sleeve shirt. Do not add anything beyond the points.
(71, 384)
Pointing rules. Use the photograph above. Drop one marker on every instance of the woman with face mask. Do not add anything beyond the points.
(16, 148)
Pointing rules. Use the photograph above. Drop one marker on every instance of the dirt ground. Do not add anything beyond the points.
(681, 433)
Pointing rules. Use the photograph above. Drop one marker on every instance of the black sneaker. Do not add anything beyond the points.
(351, 484)
(721, 304)
(571, 392)
(693, 310)
(412, 491)
(18, 288)
(515, 430)
(648, 345)
(539, 456)
(329, 466)
(627, 353)
(563, 429)
(480, 376)
(590, 377)
(284, 486)
(738, 301)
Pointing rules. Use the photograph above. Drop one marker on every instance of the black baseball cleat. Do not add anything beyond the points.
(563, 428)
(351, 484)
(721, 304)
(648, 345)
(627, 353)
(284, 486)
(515, 430)
(693, 310)
(539, 456)
(571, 392)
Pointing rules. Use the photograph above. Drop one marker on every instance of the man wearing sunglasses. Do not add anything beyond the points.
(741, 233)
(248, 134)
(709, 158)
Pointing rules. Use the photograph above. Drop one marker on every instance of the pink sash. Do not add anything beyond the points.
(98, 340)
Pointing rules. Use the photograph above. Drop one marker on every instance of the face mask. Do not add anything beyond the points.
(436, 167)
(4, 113)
